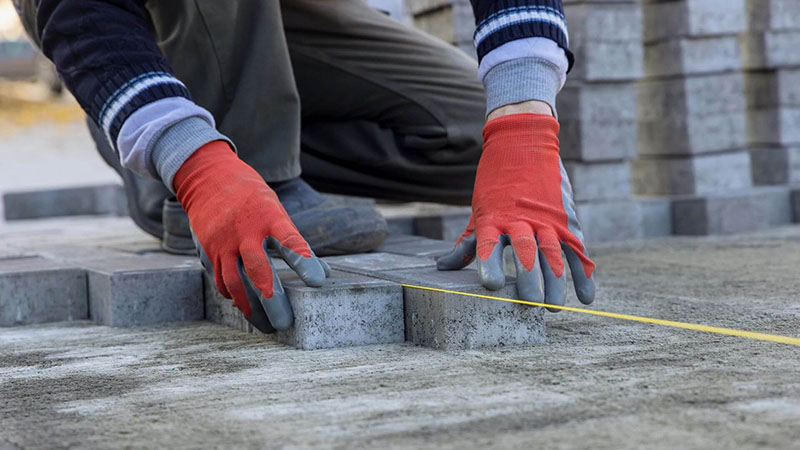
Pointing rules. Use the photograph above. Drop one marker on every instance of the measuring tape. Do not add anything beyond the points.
(668, 323)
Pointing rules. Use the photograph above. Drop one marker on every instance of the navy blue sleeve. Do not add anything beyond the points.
(106, 54)
(501, 21)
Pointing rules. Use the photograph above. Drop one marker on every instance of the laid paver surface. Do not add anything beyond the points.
(598, 382)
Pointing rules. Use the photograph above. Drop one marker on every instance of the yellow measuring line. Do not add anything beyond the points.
(668, 323)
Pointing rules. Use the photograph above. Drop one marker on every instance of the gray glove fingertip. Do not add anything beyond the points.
(555, 288)
(309, 269)
(278, 308)
(584, 287)
(258, 318)
(491, 271)
(325, 267)
(461, 256)
(530, 285)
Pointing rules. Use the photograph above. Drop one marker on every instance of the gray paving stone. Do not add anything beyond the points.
(142, 290)
(455, 322)
(691, 115)
(598, 121)
(771, 88)
(369, 263)
(451, 21)
(753, 209)
(38, 290)
(692, 56)
(415, 246)
(618, 220)
(663, 20)
(600, 180)
(656, 216)
(220, 310)
(695, 96)
(770, 49)
(89, 200)
(763, 15)
(419, 6)
(775, 165)
(778, 202)
(778, 125)
(699, 174)
(447, 225)
(349, 310)
(607, 40)
(795, 199)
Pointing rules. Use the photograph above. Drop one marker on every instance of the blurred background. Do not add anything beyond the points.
(679, 117)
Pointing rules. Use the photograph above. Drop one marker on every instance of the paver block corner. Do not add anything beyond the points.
(454, 322)
(38, 290)
(349, 310)
(143, 290)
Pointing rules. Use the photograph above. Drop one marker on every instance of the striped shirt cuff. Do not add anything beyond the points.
(120, 100)
(517, 19)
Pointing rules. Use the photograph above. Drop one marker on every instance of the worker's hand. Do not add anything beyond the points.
(522, 197)
(235, 216)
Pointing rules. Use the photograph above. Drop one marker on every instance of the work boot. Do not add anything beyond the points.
(330, 226)
(145, 196)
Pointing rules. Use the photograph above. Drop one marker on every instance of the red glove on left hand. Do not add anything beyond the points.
(234, 216)
(522, 197)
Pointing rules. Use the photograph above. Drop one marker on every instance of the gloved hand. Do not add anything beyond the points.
(523, 197)
(235, 216)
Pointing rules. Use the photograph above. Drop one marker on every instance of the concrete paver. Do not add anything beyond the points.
(349, 310)
(37, 290)
(598, 382)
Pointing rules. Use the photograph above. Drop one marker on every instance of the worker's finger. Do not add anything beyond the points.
(262, 274)
(530, 285)
(278, 308)
(258, 318)
(325, 267)
(309, 269)
(461, 256)
(234, 285)
(555, 288)
(555, 280)
(219, 279)
(257, 266)
(583, 281)
(201, 254)
(523, 242)
(490, 269)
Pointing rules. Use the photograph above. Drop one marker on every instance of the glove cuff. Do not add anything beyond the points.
(205, 158)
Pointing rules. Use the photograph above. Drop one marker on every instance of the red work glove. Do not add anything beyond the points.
(523, 198)
(235, 216)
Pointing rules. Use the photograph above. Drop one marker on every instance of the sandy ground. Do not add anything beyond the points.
(598, 383)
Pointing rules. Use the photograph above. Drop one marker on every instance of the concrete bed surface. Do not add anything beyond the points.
(598, 383)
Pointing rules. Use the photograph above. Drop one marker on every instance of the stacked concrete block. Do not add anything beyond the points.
(732, 212)
(772, 87)
(597, 113)
(693, 121)
(450, 20)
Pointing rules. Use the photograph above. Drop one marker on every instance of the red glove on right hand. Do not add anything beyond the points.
(523, 198)
(234, 216)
